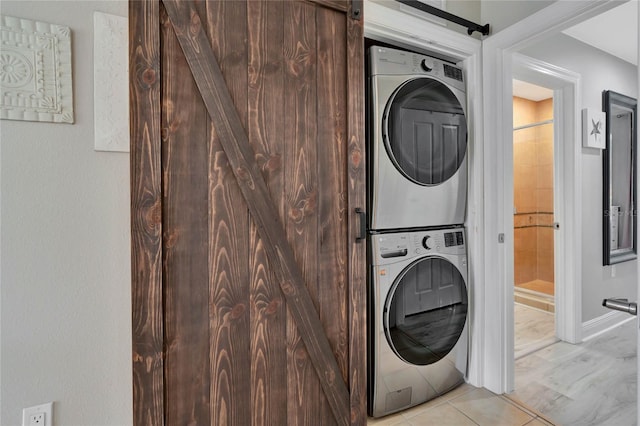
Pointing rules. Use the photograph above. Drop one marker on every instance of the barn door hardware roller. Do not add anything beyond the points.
(622, 305)
(471, 26)
(356, 9)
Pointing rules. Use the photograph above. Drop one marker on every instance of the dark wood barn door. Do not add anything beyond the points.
(247, 166)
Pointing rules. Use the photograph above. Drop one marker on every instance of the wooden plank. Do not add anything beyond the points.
(357, 199)
(185, 272)
(331, 72)
(266, 118)
(340, 5)
(332, 166)
(204, 67)
(146, 213)
(301, 193)
(229, 233)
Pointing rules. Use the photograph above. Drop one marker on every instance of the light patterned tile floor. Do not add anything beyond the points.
(465, 405)
(534, 329)
(593, 383)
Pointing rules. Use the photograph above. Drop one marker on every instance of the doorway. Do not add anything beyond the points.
(533, 217)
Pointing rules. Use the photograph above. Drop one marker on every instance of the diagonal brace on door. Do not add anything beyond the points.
(233, 137)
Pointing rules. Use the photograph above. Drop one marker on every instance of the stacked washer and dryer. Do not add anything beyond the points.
(417, 186)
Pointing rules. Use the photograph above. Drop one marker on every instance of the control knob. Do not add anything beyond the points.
(425, 66)
(427, 242)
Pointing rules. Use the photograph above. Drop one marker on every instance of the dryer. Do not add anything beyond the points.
(417, 141)
(418, 308)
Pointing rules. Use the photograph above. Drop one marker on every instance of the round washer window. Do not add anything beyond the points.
(425, 311)
(425, 131)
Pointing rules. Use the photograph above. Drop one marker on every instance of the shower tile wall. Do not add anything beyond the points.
(533, 191)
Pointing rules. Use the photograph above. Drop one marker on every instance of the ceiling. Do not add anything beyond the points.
(614, 31)
(525, 90)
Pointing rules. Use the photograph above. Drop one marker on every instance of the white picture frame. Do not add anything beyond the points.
(593, 129)
(35, 71)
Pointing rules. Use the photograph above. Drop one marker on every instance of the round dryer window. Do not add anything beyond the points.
(425, 311)
(425, 131)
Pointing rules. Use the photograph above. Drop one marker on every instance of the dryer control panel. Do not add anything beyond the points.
(386, 61)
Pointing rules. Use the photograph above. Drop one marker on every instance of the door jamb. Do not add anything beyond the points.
(568, 245)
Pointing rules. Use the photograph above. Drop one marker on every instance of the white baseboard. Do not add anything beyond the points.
(604, 323)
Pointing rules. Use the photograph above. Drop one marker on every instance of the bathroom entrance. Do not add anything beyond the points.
(533, 217)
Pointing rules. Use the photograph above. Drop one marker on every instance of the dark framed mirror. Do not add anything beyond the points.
(619, 180)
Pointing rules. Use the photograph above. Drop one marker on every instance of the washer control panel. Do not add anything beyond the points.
(401, 246)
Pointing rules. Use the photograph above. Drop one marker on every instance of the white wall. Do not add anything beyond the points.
(65, 266)
(600, 71)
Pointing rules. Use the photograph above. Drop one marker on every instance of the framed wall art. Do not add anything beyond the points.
(35, 71)
(111, 82)
(593, 128)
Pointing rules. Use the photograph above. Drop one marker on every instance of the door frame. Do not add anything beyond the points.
(381, 23)
(498, 51)
(566, 86)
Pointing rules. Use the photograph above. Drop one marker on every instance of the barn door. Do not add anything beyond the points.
(247, 168)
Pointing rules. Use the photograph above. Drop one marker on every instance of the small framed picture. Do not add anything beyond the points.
(593, 129)
(35, 71)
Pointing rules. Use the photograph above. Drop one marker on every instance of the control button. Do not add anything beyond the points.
(449, 239)
(424, 66)
(427, 242)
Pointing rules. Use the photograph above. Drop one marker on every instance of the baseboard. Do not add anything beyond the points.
(604, 323)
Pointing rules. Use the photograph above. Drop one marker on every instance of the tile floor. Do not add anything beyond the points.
(535, 299)
(539, 286)
(465, 405)
(534, 329)
(593, 383)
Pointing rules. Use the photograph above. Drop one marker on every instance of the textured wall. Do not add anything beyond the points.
(65, 266)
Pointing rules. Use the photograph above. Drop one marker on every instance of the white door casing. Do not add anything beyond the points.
(566, 86)
(497, 59)
(638, 259)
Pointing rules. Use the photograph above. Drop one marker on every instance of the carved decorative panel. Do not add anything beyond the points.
(35, 71)
(110, 82)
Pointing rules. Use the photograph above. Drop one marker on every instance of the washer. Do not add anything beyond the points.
(418, 141)
(418, 308)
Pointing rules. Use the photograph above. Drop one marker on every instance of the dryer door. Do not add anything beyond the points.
(425, 311)
(425, 131)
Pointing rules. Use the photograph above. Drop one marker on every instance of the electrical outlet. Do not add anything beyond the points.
(38, 415)
(37, 419)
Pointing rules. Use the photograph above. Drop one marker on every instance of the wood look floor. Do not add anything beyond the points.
(593, 383)
(534, 329)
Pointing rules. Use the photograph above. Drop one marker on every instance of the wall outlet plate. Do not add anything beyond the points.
(38, 415)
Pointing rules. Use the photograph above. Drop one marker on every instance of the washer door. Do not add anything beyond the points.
(425, 311)
(425, 131)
